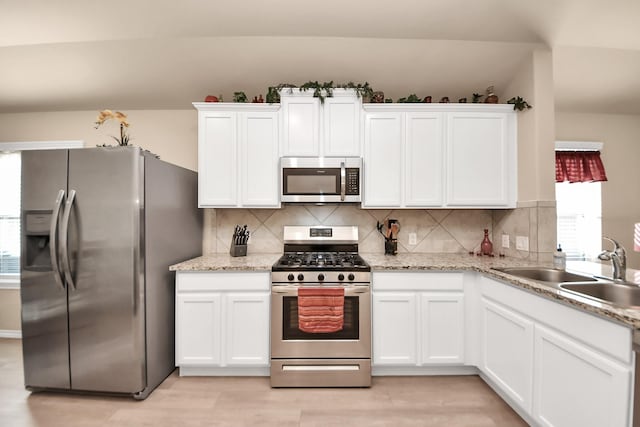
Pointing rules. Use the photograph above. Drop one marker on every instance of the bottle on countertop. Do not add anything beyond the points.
(486, 247)
(559, 259)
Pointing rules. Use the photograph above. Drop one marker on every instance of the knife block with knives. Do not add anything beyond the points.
(239, 241)
(390, 235)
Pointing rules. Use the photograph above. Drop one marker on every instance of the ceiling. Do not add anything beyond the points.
(85, 55)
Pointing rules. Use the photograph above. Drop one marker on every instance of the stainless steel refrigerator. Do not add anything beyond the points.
(100, 227)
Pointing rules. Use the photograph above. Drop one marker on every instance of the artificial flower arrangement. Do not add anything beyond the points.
(105, 115)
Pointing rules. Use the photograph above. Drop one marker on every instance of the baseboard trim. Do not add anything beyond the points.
(205, 371)
(8, 333)
(380, 371)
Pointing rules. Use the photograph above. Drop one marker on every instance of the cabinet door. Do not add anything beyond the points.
(481, 159)
(198, 326)
(423, 159)
(442, 328)
(300, 125)
(247, 329)
(394, 328)
(383, 136)
(217, 159)
(341, 120)
(575, 386)
(507, 352)
(259, 159)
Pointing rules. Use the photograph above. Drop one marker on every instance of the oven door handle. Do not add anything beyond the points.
(293, 290)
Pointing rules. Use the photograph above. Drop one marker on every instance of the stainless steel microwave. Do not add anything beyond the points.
(321, 179)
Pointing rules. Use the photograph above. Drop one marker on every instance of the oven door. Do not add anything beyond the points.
(288, 341)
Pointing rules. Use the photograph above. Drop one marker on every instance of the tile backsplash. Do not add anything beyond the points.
(437, 230)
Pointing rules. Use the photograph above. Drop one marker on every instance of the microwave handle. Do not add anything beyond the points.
(343, 181)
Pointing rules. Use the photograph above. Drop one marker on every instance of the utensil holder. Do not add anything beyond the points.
(391, 247)
(238, 250)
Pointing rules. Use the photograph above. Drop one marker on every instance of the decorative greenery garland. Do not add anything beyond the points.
(320, 90)
(325, 90)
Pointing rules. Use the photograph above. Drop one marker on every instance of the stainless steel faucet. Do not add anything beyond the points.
(618, 258)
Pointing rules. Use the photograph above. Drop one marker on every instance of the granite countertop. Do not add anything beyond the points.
(222, 262)
(449, 262)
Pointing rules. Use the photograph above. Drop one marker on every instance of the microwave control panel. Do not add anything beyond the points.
(353, 181)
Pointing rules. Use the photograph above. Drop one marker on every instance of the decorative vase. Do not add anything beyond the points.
(486, 247)
(491, 97)
(377, 97)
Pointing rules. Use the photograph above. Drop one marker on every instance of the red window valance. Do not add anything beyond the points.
(579, 166)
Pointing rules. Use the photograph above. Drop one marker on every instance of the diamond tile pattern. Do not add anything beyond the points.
(437, 231)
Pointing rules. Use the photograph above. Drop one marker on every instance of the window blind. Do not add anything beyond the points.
(10, 214)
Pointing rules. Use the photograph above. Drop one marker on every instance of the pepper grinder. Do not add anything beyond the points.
(486, 247)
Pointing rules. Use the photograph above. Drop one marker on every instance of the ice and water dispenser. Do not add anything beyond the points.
(37, 225)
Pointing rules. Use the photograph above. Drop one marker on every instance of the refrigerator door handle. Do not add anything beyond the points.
(64, 239)
(53, 240)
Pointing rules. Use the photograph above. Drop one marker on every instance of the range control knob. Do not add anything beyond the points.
(290, 277)
(351, 277)
(321, 277)
(300, 277)
(340, 276)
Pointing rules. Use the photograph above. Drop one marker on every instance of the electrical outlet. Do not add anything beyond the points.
(505, 241)
(522, 243)
(413, 238)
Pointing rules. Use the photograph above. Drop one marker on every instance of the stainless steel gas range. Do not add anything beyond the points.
(321, 310)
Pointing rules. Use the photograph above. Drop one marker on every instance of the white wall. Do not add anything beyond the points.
(621, 157)
(171, 134)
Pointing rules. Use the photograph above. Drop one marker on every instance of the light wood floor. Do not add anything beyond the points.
(228, 401)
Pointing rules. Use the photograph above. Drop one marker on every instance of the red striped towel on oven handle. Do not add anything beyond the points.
(320, 310)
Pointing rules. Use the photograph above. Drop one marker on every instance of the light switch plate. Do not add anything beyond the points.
(413, 239)
(522, 243)
(505, 241)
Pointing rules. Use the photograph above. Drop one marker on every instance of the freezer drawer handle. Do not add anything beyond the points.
(53, 240)
(64, 238)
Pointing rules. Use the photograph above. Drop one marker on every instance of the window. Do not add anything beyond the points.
(10, 163)
(579, 211)
(10, 215)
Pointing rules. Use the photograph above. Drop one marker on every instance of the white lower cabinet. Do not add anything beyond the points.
(195, 314)
(442, 328)
(394, 328)
(557, 366)
(247, 342)
(575, 386)
(418, 319)
(507, 351)
(222, 323)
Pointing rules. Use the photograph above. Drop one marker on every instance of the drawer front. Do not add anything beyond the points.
(222, 281)
(418, 281)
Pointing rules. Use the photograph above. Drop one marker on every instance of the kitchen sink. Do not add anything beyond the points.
(543, 274)
(616, 293)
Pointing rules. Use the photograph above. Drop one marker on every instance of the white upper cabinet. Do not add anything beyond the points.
(383, 159)
(341, 124)
(238, 155)
(300, 123)
(312, 129)
(423, 160)
(217, 158)
(481, 159)
(259, 159)
(450, 156)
